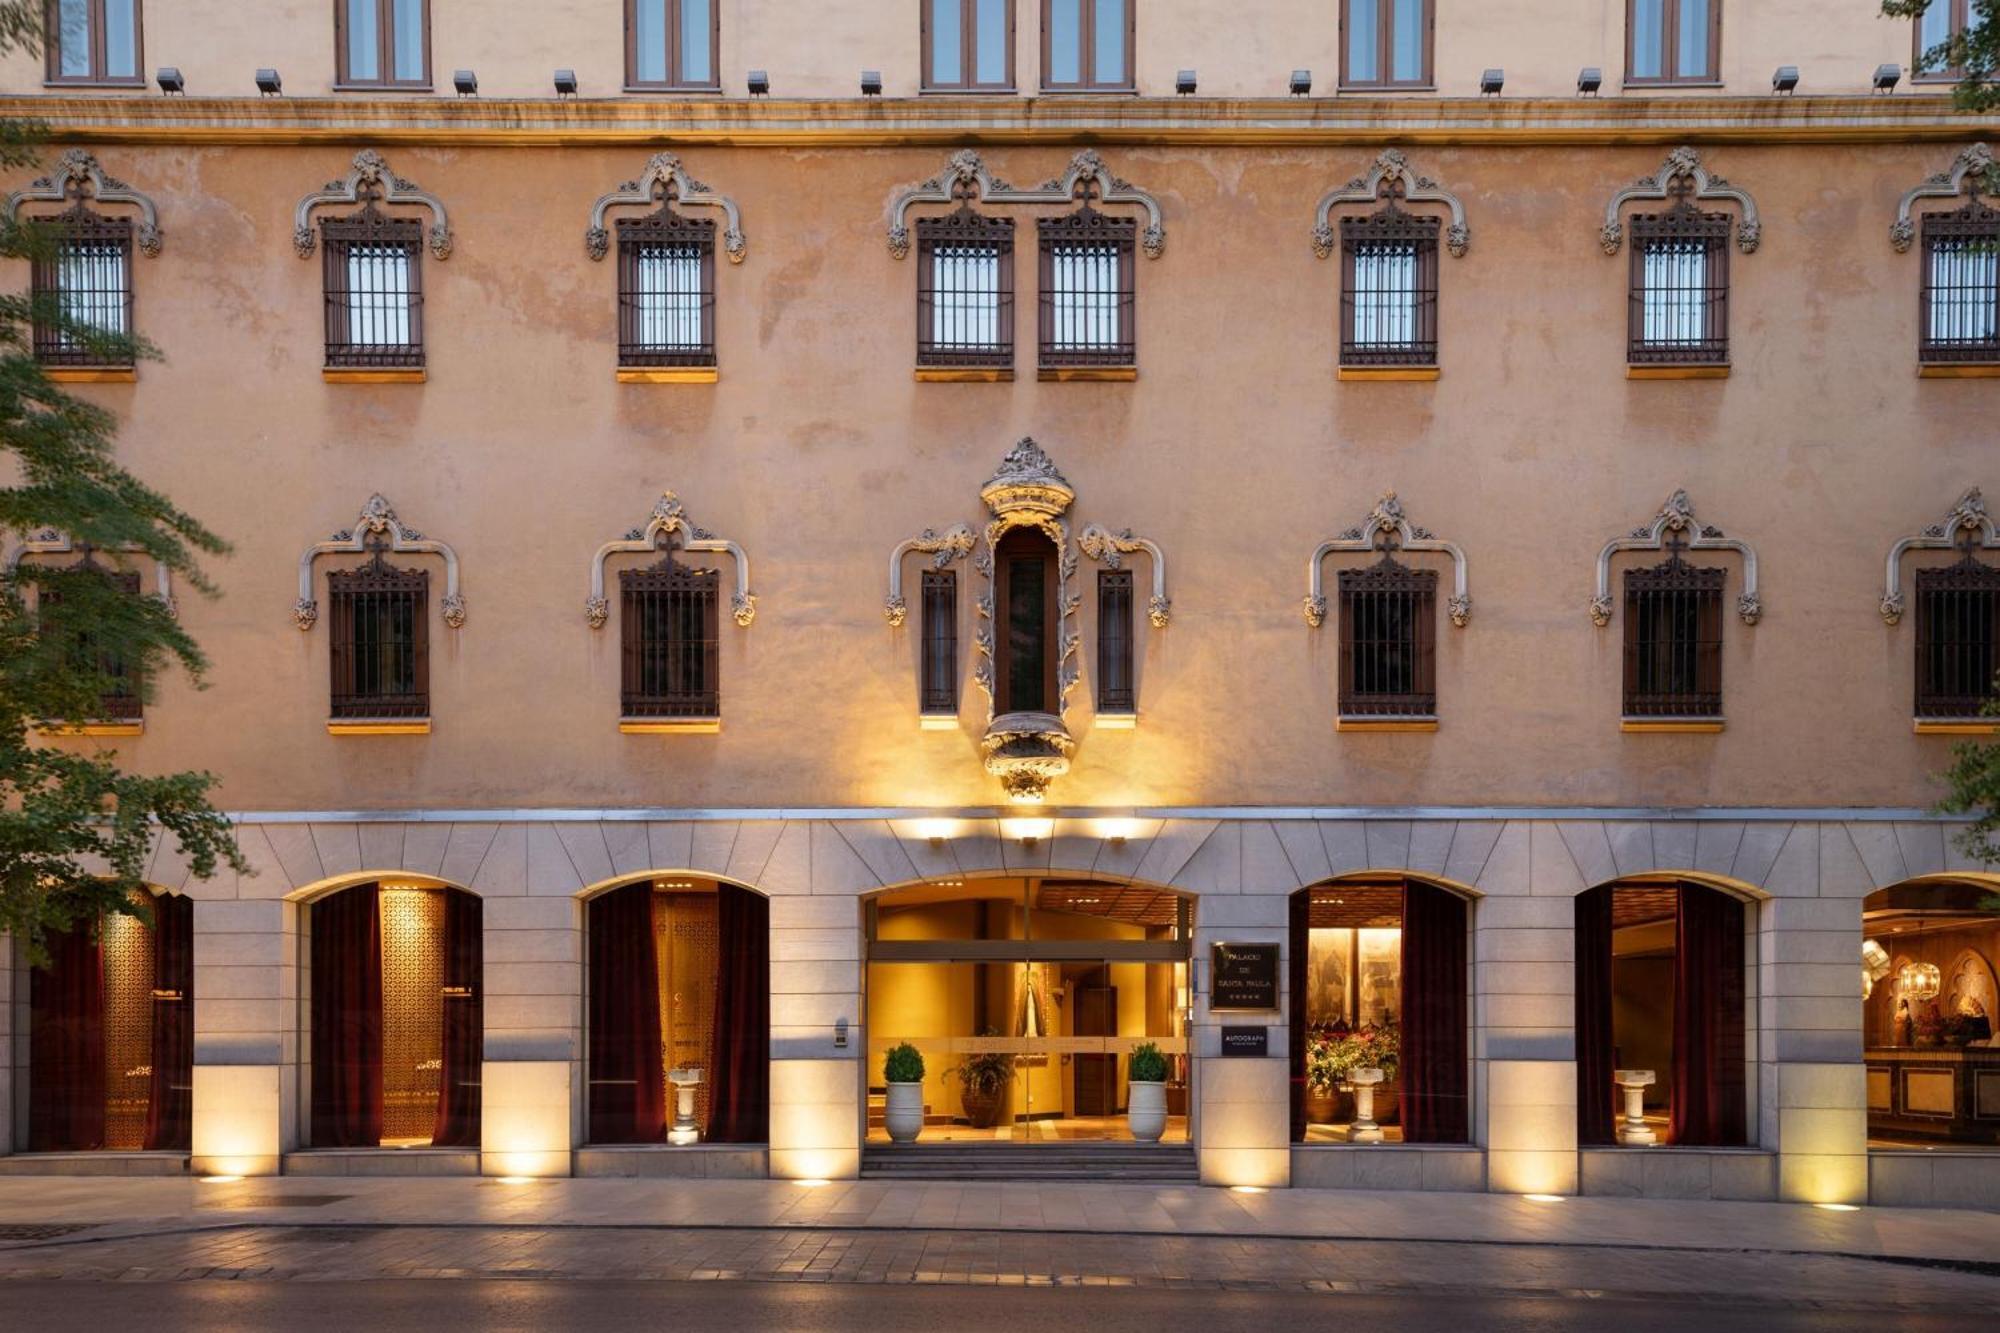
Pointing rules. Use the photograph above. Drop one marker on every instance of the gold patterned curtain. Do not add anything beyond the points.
(687, 943)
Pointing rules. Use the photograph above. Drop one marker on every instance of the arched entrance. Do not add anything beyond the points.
(1026, 998)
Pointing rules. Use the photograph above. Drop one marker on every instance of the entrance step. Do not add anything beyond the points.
(1108, 1163)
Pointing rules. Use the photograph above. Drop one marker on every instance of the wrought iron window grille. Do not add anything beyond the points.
(1673, 638)
(380, 640)
(1388, 637)
(1961, 283)
(1958, 635)
(666, 287)
(1389, 286)
(669, 642)
(1087, 286)
(1680, 284)
(373, 270)
(86, 274)
(965, 287)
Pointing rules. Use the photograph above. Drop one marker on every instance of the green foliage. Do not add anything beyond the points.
(1976, 51)
(75, 831)
(904, 1064)
(985, 1074)
(1147, 1065)
(1973, 787)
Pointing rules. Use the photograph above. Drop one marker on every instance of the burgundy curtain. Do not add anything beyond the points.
(1709, 1101)
(1434, 1102)
(739, 1095)
(628, 1099)
(347, 1019)
(66, 1043)
(1295, 982)
(1596, 1048)
(170, 1098)
(464, 1004)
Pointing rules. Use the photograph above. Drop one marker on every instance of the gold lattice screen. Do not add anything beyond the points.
(687, 941)
(128, 1030)
(413, 944)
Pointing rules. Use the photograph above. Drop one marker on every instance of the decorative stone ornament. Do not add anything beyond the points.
(1026, 490)
(965, 177)
(944, 548)
(78, 179)
(1676, 524)
(370, 179)
(1683, 168)
(664, 180)
(667, 525)
(1110, 548)
(1967, 527)
(1027, 751)
(1389, 179)
(1970, 174)
(48, 541)
(1386, 527)
(378, 522)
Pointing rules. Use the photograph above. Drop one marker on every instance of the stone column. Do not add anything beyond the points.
(534, 1040)
(246, 1030)
(816, 1084)
(1812, 1102)
(1242, 1107)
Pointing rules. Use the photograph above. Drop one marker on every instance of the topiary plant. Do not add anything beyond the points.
(904, 1064)
(1147, 1065)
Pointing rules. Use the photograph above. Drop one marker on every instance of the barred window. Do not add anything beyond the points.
(671, 44)
(666, 290)
(1386, 43)
(1087, 289)
(1388, 295)
(965, 290)
(968, 46)
(383, 43)
(1673, 640)
(1961, 295)
(1087, 45)
(1958, 639)
(1388, 641)
(1673, 41)
(121, 700)
(1680, 287)
(1025, 622)
(1115, 691)
(669, 641)
(379, 616)
(940, 647)
(94, 41)
(87, 275)
(374, 290)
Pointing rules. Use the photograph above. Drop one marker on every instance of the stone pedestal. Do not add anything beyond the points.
(1365, 1082)
(1633, 1130)
(684, 1131)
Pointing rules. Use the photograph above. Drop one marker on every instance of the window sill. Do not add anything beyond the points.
(1117, 722)
(668, 374)
(1972, 726)
(91, 374)
(965, 374)
(385, 726)
(1388, 374)
(669, 726)
(125, 727)
(424, 87)
(1689, 372)
(1959, 370)
(655, 89)
(1088, 374)
(98, 84)
(937, 722)
(1009, 91)
(357, 375)
(1121, 90)
(1376, 89)
(1658, 85)
(1385, 724)
(1672, 725)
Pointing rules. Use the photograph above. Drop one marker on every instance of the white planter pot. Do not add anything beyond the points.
(1146, 1110)
(905, 1113)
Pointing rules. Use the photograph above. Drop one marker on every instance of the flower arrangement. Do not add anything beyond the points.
(1334, 1053)
(1930, 1024)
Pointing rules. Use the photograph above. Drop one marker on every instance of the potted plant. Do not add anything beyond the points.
(903, 1071)
(1326, 1070)
(1146, 1094)
(982, 1082)
(1380, 1047)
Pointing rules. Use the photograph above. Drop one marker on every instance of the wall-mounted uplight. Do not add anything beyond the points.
(1839, 1207)
(1544, 1198)
(1028, 831)
(1248, 1189)
(935, 831)
(1116, 831)
(814, 1184)
(220, 1180)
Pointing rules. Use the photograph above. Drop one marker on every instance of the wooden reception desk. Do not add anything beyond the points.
(1942, 1092)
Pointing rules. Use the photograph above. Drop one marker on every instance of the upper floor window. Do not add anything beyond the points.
(969, 46)
(939, 676)
(669, 641)
(1961, 293)
(965, 290)
(86, 274)
(1680, 285)
(1673, 41)
(1026, 617)
(1386, 43)
(94, 41)
(1087, 45)
(1087, 290)
(373, 270)
(666, 289)
(383, 43)
(1941, 27)
(1388, 640)
(380, 641)
(672, 44)
(1673, 639)
(1388, 288)
(1958, 636)
(120, 699)
(1116, 689)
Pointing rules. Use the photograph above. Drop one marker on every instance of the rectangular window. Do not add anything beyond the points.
(121, 700)
(1958, 639)
(666, 290)
(669, 641)
(383, 43)
(673, 44)
(1087, 289)
(1087, 45)
(374, 291)
(969, 46)
(939, 686)
(1388, 290)
(1673, 641)
(1680, 288)
(1961, 293)
(1673, 41)
(1385, 43)
(965, 290)
(380, 641)
(1388, 637)
(94, 41)
(87, 273)
(1943, 21)
(1115, 686)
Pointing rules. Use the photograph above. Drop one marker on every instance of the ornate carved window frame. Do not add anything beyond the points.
(669, 521)
(1683, 164)
(378, 519)
(1968, 515)
(665, 179)
(1972, 164)
(1387, 517)
(966, 176)
(79, 177)
(370, 171)
(1677, 516)
(1391, 165)
(944, 549)
(48, 541)
(1109, 548)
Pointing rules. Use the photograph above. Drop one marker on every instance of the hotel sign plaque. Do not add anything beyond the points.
(1246, 1042)
(1243, 976)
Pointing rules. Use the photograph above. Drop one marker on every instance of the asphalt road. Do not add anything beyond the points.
(431, 1306)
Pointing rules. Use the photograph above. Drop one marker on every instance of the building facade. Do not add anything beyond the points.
(975, 547)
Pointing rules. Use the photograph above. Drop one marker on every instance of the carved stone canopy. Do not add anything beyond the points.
(1969, 174)
(377, 523)
(966, 178)
(664, 180)
(1676, 524)
(78, 178)
(1967, 527)
(667, 525)
(1386, 528)
(371, 181)
(1390, 179)
(1683, 174)
(51, 542)
(1027, 484)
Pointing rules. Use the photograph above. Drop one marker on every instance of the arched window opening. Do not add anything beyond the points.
(1028, 608)
(1929, 1003)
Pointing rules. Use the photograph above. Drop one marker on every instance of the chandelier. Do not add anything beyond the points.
(1918, 981)
(1874, 966)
